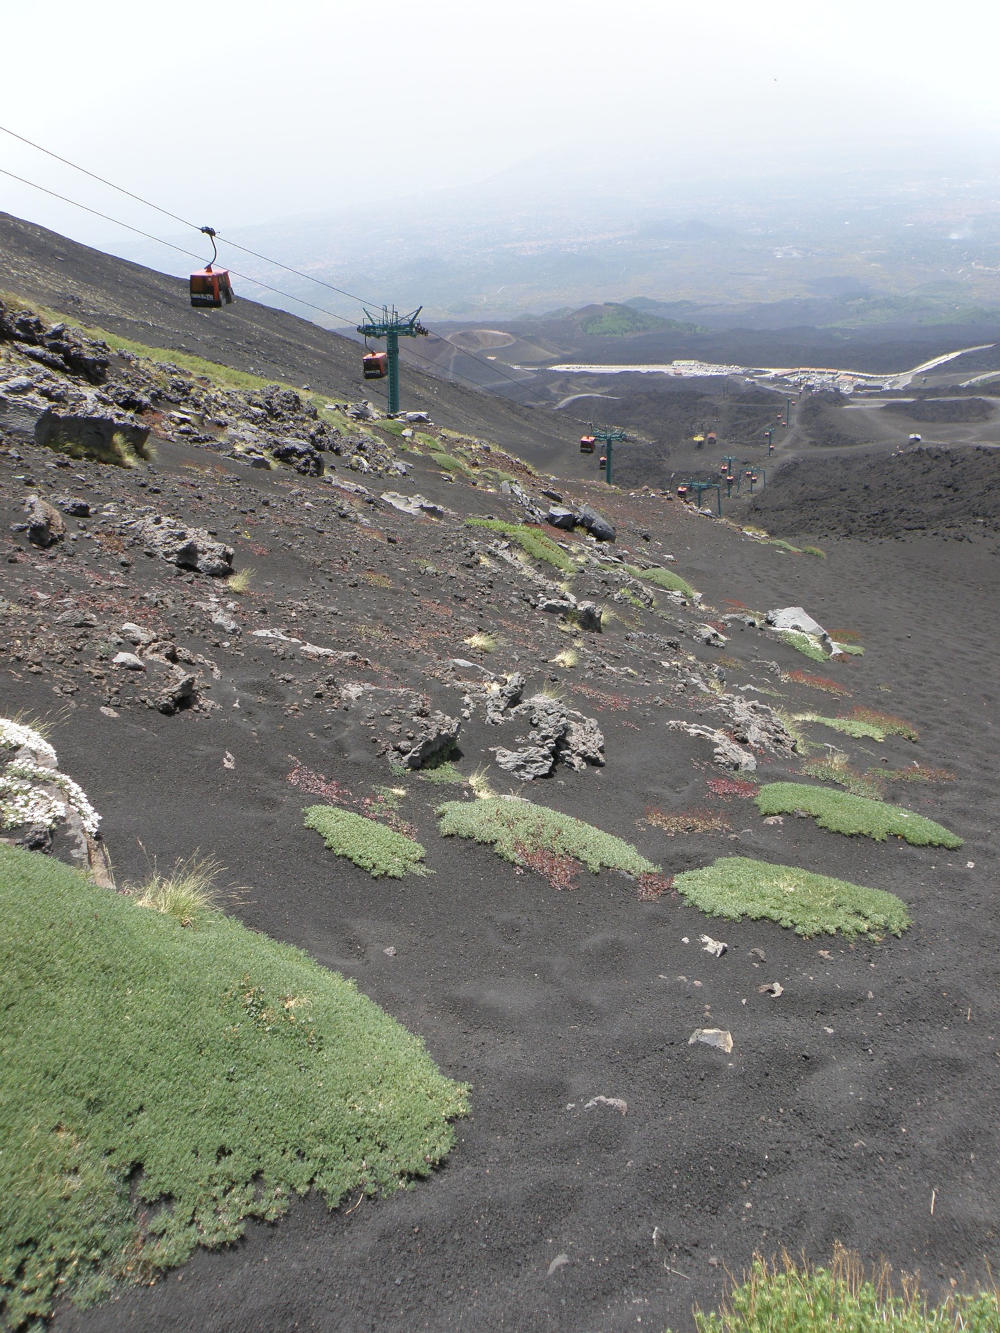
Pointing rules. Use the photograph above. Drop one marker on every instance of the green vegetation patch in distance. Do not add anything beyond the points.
(849, 726)
(532, 541)
(807, 644)
(737, 887)
(662, 578)
(366, 842)
(163, 1083)
(449, 462)
(783, 1297)
(842, 812)
(514, 828)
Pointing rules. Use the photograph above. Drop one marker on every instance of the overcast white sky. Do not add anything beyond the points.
(236, 112)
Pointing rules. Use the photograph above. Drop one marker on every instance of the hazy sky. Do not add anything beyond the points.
(233, 112)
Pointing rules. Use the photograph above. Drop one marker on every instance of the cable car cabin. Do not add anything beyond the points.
(211, 288)
(682, 492)
(602, 462)
(587, 444)
(375, 365)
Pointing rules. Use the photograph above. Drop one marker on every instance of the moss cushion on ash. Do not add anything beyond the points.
(366, 842)
(842, 812)
(736, 887)
(164, 1083)
(514, 828)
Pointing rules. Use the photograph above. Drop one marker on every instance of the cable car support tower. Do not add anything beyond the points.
(390, 325)
(609, 436)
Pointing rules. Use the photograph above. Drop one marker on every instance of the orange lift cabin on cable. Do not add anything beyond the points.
(587, 444)
(375, 365)
(210, 287)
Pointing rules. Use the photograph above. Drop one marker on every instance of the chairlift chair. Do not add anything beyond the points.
(375, 365)
(210, 287)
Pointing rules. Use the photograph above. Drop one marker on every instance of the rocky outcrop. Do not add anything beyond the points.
(46, 525)
(428, 739)
(725, 751)
(416, 506)
(188, 548)
(93, 432)
(54, 345)
(42, 809)
(558, 735)
(597, 525)
(563, 516)
(154, 672)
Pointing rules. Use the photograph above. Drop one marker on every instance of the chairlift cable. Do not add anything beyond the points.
(148, 203)
(245, 277)
(107, 217)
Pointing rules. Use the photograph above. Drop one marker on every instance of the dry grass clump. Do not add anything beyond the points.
(239, 583)
(888, 723)
(732, 787)
(482, 642)
(835, 768)
(919, 773)
(187, 894)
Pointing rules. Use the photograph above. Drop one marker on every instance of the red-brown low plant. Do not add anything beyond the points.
(816, 682)
(686, 821)
(653, 885)
(562, 872)
(731, 787)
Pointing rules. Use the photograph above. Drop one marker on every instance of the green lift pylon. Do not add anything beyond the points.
(608, 436)
(389, 326)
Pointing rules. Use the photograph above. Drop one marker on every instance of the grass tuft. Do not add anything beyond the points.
(736, 887)
(187, 895)
(781, 1296)
(841, 812)
(835, 768)
(482, 641)
(239, 583)
(368, 844)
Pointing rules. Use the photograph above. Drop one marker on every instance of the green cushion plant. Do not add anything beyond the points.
(367, 843)
(514, 828)
(842, 812)
(164, 1082)
(737, 887)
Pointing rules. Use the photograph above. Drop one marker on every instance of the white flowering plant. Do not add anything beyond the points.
(32, 790)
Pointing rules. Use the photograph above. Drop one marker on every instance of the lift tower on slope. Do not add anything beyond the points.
(389, 325)
(608, 436)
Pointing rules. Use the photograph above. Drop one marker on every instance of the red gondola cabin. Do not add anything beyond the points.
(211, 288)
(375, 365)
(586, 444)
